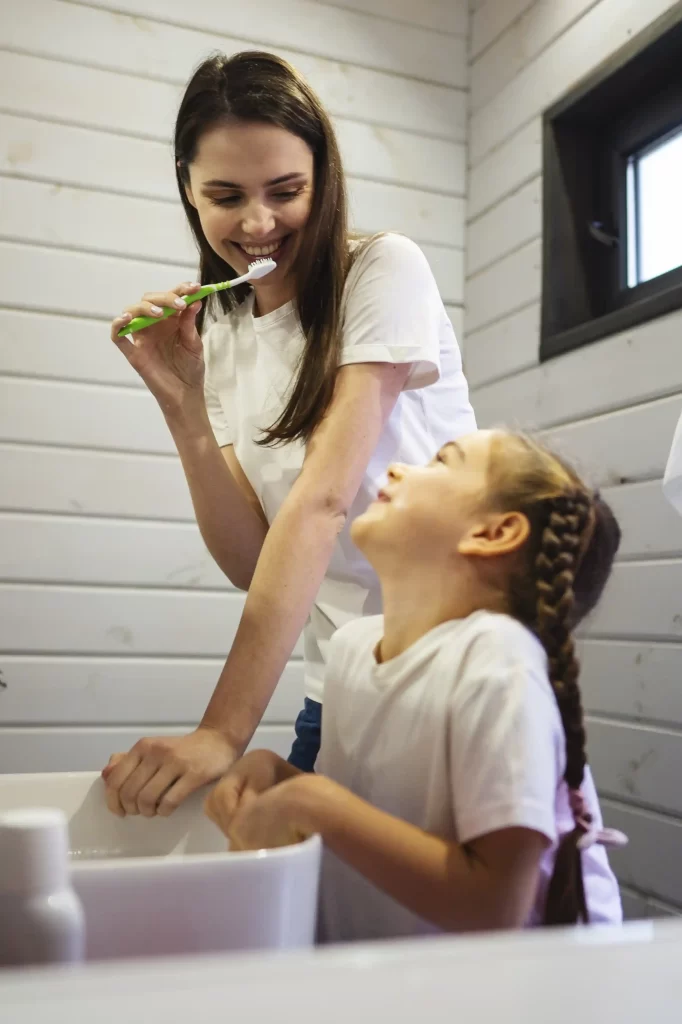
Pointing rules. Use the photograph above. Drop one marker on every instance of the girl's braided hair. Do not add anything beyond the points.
(564, 567)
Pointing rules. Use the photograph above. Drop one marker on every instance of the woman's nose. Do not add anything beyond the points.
(258, 221)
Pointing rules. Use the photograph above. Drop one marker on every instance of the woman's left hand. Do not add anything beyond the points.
(268, 820)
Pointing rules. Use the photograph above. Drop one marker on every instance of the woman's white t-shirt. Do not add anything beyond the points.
(461, 736)
(392, 313)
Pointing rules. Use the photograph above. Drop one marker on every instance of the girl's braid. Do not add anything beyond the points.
(563, 542)
(561, 547)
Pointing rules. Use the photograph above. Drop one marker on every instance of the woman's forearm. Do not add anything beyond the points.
(291, 567)
(231, 528)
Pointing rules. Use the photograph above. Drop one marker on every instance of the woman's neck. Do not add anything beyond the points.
(268, 298)
(415, 602)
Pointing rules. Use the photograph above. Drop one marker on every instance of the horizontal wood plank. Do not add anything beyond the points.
(501, 349)
(328, 32)
(521, 42)
(643, 600)
(67, 154)
(75, 218)
(651, 526)
(86, 284)
(620, 447)
(77, 549)
(79, 349)
(642, 908)
(95, 285)
(95, 483)
(651, 860)
(102, 620)
(583, 383)
(505, 169)
(58, 690)
(89, 749)
(441, 15)
(637, 763)
(584, 46)
(52, 412)
(505, 287)
(129, 45)
(119, 225)
(61, 347)
(424, 216)
(514, 222)
(631, 679)
(489, 19)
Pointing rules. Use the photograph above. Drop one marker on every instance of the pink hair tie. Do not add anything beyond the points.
(583, 819)
(610, 837)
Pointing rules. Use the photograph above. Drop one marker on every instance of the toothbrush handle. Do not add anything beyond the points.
(140, 322)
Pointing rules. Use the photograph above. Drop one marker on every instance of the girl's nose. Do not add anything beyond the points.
(396, 471)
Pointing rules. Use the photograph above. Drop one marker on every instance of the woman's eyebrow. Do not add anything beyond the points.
(219, 183)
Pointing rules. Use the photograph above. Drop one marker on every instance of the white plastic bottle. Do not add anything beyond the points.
(41, 917)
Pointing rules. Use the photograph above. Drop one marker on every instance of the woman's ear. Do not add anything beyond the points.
(499, 534)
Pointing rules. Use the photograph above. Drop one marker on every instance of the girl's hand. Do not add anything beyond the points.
(169, 355)
(267, 821)
(249, 777)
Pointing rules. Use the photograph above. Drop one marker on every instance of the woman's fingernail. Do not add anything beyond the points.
(180, 304)
(123, 316)
(156, 309)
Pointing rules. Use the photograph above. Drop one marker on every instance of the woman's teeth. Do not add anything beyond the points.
(262, 250)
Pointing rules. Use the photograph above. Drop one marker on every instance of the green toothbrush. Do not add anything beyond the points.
(259, 268)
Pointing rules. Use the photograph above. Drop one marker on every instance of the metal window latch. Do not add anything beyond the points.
(599, 232)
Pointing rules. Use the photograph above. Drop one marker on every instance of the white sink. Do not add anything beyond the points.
(163, 886)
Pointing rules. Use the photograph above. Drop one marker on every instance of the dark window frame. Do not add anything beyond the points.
(588, 138)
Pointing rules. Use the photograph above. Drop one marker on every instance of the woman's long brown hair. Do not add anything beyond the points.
(261, 87)
(564, 568)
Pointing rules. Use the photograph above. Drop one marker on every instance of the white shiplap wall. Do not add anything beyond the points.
(612, 406)
(113, 618)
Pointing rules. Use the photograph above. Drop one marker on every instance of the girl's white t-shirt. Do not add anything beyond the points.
(392, 313)
(459, 735)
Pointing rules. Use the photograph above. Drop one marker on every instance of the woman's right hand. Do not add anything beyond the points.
(169, 355)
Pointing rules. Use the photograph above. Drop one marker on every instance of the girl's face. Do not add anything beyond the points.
(252, 186)
(429, 511)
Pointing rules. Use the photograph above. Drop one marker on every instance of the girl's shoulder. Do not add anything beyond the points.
(492, 640)
(355, 637)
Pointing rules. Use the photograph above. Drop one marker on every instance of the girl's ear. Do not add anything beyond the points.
(499, 534)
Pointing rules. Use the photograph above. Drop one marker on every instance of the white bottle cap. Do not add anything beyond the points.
(34, 850)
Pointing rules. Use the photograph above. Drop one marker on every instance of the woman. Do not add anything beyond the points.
(289, 405)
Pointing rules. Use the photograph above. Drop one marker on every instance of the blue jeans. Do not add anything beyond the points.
(306, 746)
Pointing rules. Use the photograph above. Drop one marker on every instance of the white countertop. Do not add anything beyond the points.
(593, 976)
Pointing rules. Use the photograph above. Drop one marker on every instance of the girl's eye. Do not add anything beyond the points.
(226, 201)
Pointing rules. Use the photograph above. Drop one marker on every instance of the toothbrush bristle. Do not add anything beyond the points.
(261, 267)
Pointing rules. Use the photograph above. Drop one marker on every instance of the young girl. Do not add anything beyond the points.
(453, 792)
(304, 389)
